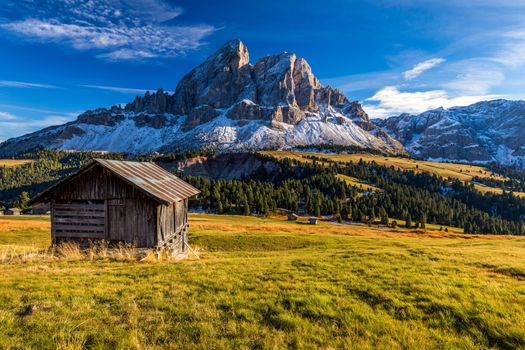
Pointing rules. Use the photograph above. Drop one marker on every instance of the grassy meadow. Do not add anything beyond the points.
(267, 283)
(9, 163)
(361, 185)
(463, 172)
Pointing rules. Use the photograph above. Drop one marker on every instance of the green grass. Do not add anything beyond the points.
(268, 283)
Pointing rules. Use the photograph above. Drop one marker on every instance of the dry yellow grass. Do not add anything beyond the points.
(487, 189)
(352, 181)
(28, 239)
(456, 171)
(23, 235)
(7, 225)
(14, 162)
(461, 172)
(277, 224)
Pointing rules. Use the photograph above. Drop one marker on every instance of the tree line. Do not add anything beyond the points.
(313, 189)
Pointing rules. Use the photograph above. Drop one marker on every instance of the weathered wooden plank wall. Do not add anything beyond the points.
(99, 204)
(130, 215)
(85, 220)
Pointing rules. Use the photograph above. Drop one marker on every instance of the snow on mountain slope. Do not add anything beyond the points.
(225, 103)
(484, 132)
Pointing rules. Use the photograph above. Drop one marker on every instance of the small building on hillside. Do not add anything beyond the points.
(119, 201)
(12, 211)
(41, 209)
(292, 216)
(312, 221)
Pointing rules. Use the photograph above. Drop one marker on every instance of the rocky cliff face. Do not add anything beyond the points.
(489, 131)
(224, 103)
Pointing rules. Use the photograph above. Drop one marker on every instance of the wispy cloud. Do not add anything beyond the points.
(115, 30)
(11, 124)
(360, 82)
(38, 110)
(419, 68)
(22, 84)
(6, 116)
(122, 90)
(496, 72)
(391, 101)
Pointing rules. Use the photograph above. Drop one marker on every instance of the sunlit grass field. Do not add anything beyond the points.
(13, 162)
(463, 172)
(268, 283)
(363, 186)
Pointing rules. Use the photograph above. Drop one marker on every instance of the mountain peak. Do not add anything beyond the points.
(235, 44)
(233, 54)
(225, 103)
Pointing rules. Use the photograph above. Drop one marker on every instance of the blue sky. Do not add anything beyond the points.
(60, 58)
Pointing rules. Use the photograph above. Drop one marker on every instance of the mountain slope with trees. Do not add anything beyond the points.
(312, 188)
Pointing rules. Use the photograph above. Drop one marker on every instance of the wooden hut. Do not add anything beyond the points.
(292, 216)
(12, 211)
(119, 201)
(312, 221)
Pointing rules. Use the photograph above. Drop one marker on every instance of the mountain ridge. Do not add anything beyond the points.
(225, 103)
(484, 132)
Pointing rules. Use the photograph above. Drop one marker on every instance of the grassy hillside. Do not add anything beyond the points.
(461, 172)
(13, 162)
(352, 181)
(269, 283)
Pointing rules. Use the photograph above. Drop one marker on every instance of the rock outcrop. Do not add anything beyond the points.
(225, 103)
(488, 131)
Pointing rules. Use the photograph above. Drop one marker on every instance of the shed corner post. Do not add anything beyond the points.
(159, 228)
(53, 234)
(185, 239)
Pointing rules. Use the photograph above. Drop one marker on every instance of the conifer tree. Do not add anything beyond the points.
(246, 207)
(408, 221)
(383, 215)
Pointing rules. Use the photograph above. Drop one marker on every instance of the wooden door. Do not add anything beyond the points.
(116, 220)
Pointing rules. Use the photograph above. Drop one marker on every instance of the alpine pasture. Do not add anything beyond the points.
(266, 283)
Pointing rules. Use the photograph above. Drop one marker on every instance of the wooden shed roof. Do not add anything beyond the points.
(153, 180)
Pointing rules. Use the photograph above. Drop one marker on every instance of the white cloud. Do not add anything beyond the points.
(117, 30)
(390, 101)
(359, 82)
(154, 10)
(512, 49)
(11, 125)
(22, 84)
(494, 73)
(419, 68)
(6, 116)
(38, 110)
(127, 54)
(471, 77)
(123, 90)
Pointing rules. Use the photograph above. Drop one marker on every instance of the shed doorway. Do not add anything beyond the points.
(116, 222)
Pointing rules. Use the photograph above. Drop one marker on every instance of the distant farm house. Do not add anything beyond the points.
(312, 221)
(12, 211)
(292, 216)
(120, 201)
